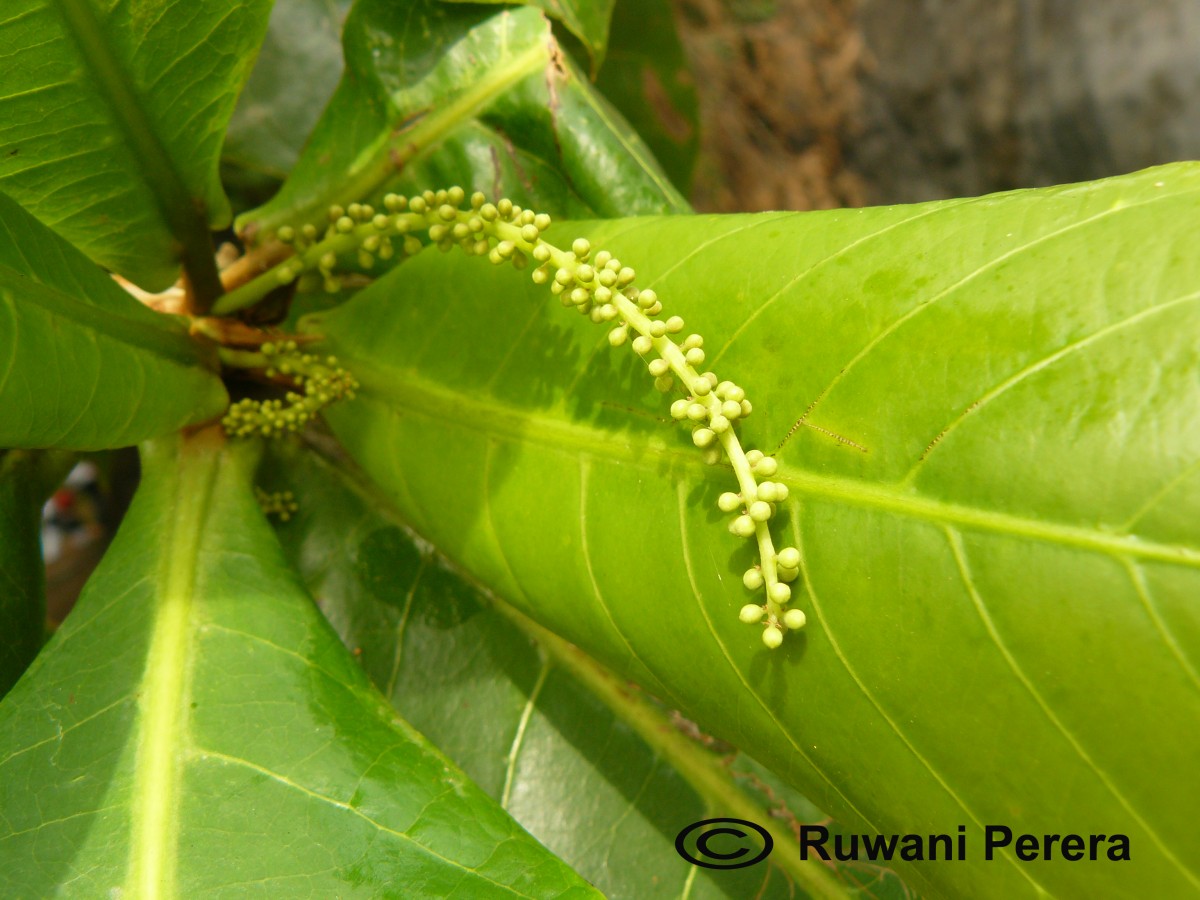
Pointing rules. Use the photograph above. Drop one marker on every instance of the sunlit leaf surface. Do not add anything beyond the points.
(988, 414)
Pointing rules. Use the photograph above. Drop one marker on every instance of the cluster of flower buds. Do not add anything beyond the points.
(277, 503)
(317, 382)
(599, 286)
(356, 232)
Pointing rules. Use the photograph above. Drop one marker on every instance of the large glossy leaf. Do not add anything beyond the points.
(83, 365)
(491, 92)
(646, 76)
(111, 122)
(25, 480)
(1001, 581)
(588, 20)
(295, 74)
(195, 706)
(591, 767)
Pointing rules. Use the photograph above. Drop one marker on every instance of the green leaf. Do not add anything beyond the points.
(646, 76)
(590, 767)
(195, 706)
(588, 20)
(1000, 572)
(113, 116)
(26, 479)
(297, 70)
(438, 94)
(83, 365)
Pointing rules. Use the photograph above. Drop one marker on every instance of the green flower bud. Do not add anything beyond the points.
(780, 593)
(772, 637)
(747, 408)
(766, 491)
(286, 234)
(719, 424)
(795, 619)
(679, 409)
(658, 329)
(753, 578)
(760, 511)
(394, 203)
(580, 296)
(789, 558)
(664, 383)
(646, 298)
(674, 324)
(728, 501)
(731, 410)
(541, 253)
(659, 367)
(788, 575)
(697, 412)
(642, 345)
(602, 259)
(618, 336)
(607, 278)
(584, 273)
(581, 248)
(701, 387)
(626, 275)
(702, 437)
(695, 357)
(504, 207)
(487, 212)
(540, 276)
(505, 248)
(742, 526)
(455, 195)
(437, 232)
(542, 221)
(751, 614)
(564, 277)
(693, 340)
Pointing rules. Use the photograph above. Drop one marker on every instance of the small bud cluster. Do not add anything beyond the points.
(318, 383)
(601, 287)
(277, 503)
(357, 231)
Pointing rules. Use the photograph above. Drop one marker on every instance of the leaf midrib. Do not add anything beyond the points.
(165, 684)
(183, 213)
(407, 390)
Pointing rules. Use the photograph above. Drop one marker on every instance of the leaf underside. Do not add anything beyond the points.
(995, 489)
(195, 701)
